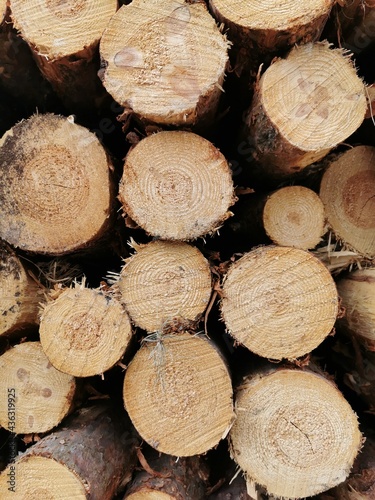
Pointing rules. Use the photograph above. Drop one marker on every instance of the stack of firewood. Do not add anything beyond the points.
(187, 245)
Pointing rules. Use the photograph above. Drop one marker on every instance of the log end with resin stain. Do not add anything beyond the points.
(176, 185)
(165, 61)
(38, 395)
(20, 295)
(84, 331)
(294, 216)
(56, 192)
(91, 456)
(348, 193)
(178, 394)
(304, 105)
(279, 302)
(165, 282)
(295, 433)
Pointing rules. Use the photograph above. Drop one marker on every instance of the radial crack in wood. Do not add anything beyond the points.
(279, 302)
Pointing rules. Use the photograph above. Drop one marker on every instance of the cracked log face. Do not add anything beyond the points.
(176, 185)
(295, 434)
(165, 61)
(56, 194)
(165, 282)
(348, 193)
(42, 396)
(279, 302)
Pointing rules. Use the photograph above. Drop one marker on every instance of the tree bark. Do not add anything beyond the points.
(165, 61)
(279, 302)
(303, 107)
(64, 40)
(84, 331)
(56, 191)
(356, 24)
(169, 479)
(20, 296)
(169, 386)
(294, 434)
(91, 457)
(176, 185)
(347, 191)
(38, 395)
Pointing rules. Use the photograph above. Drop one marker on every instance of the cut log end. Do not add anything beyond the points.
(41, 395)
(166, 61)
(168, 388)
(85, 331)
(279, 302)
(56, 193)
(294, 216)
(164, 281)
(347, 191)
(295, 434)
(177, 186)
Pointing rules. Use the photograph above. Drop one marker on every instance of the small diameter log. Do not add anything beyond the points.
(56, 194)
(357, 292)
(303, 107)
(262, 28)
(347, 191)
(294, 216)
(279, 302)
(165, 281)
(178, 394)
(169, 479)
(295, 434)
(64, 38)
(85, 331)
(90, 457)
(176, 185)
(165, 61)
(35, 397)
(19, 294)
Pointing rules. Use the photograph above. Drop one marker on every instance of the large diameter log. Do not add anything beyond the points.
(56, 193)
(165, 61)
(64, 38)
(35, 396)
(90, 457)
(303, 107)
(176, 185)
(295, 434)
(85, 331)
(279, 302)
(347, 191)
(357, 292)
(19, 294)
(178, 394)
(169, 479)
(164, 282)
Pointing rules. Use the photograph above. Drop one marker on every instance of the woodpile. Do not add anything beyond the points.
(187, 245)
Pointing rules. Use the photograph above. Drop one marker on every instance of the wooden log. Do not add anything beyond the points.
(347, 191)
(90, 457)
(295, 434)
(166, 478)
(165, 282)
(20, 295)
(84, 331)
(38, 395)
(356, 24)
(178, 394)
(303, 107)
(279, 302)
(176, 185)
(64, 39)
(165, 61)
(56, 191)
(261, 29)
